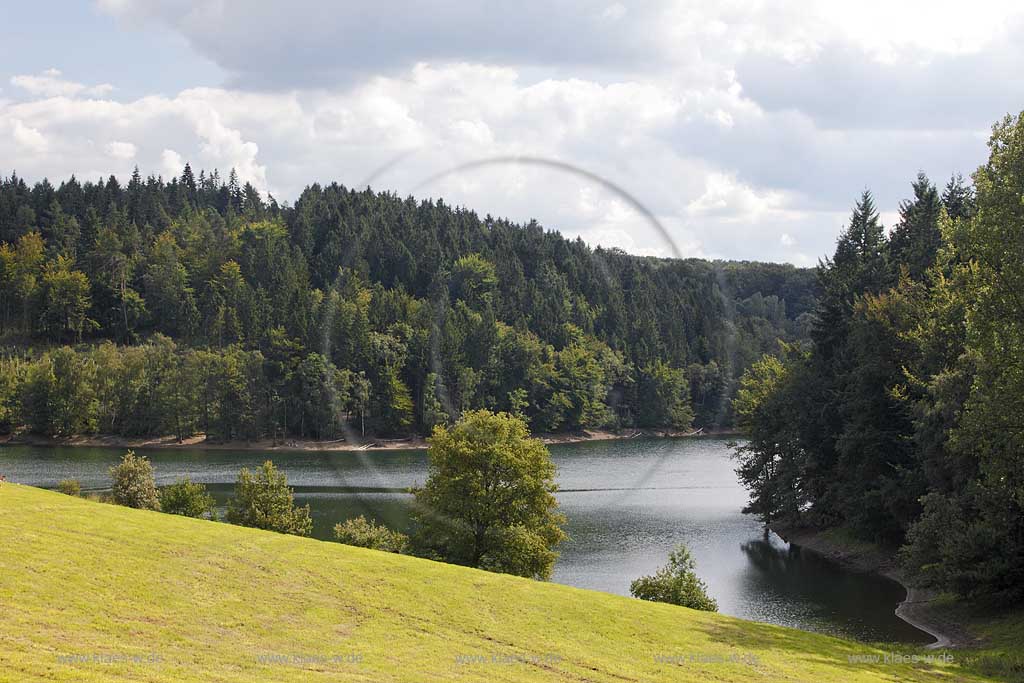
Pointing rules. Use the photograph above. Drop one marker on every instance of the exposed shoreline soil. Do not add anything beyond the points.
(921, 608)
(200, 442)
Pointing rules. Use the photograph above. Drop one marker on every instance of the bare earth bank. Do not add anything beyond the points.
(353, 443)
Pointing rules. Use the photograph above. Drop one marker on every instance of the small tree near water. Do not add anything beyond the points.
(264, 501)
(363, 533)
(134, 484)
(676, 583)
(489, 498)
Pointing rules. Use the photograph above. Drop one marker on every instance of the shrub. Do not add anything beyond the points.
(365, 534)
(676, 583)
(187, 498)
(134, 485)
(69, 487)
(264, 501)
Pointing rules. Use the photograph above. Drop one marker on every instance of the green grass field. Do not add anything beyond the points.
(95, 592)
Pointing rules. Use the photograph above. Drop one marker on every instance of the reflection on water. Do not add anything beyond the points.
(803, 587)
(628, 503)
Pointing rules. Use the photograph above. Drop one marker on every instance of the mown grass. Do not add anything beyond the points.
(998, 633)
(142, 596)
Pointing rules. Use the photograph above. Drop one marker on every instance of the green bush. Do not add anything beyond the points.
(263, 500)
(134, 485)
(69, 487)
(184, 497)
(675, 583)
(365, 534)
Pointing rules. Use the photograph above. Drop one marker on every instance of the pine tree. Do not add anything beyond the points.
(916, 239)
(188, 183)
(958, 198)
(135, 197)
(234, 192)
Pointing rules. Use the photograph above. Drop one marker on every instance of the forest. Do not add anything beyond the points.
(902, 420)
(198, 306)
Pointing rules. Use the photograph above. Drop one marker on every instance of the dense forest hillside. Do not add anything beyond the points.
(903, 420)
(196, 305)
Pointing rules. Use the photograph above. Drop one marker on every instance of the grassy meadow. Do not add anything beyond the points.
(95, 592)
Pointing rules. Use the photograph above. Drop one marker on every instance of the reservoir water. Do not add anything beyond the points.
(628, 503)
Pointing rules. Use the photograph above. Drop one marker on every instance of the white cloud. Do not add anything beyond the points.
(121, 150)
(724, 195)
(660, 34)
(221, 144)
(68, 126)
(172, 163)
(27, 138)
(894, 31)
(50, 84)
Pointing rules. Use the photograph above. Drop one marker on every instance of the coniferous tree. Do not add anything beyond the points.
(958, 198)
(916, 239)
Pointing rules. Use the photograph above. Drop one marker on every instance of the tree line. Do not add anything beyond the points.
(197, 305)
(903, 418)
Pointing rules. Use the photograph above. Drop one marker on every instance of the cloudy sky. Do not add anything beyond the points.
(747, 127)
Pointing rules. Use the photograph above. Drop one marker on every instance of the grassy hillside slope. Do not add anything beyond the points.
(94, 592)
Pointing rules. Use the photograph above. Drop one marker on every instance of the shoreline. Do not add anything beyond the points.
(920, 608)
(199, 441)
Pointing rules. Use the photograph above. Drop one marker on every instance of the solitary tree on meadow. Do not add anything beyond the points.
(489, 497)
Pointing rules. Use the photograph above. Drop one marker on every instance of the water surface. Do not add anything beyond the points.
(628, 503)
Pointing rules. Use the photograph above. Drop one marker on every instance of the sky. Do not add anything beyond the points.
(746, 127)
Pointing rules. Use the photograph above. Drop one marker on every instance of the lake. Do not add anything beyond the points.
(628, 503)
